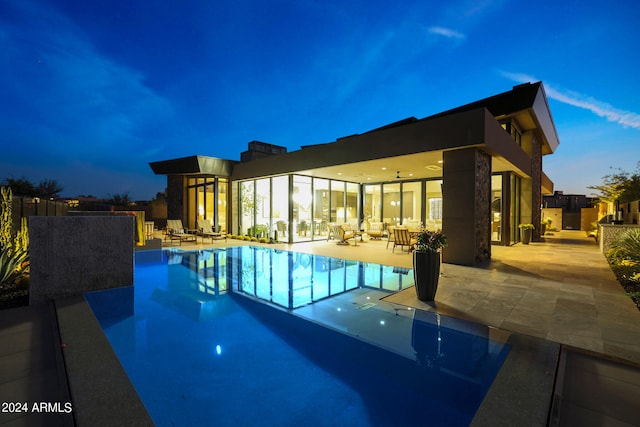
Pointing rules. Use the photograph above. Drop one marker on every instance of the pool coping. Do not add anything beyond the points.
(101, 390)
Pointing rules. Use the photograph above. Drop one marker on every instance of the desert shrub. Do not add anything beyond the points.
(14, 247)
(626, 247)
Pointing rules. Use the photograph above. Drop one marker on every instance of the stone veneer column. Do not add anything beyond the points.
(466, 207)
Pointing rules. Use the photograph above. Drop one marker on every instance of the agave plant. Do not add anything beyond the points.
(14, 248)
(627, 245)
(11, 264)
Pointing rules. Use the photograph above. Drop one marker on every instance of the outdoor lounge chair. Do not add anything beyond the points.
(175, 231)
(403, 238)
(205, 230)
(342, 235)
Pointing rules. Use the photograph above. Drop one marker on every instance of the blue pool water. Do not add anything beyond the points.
(259, 337)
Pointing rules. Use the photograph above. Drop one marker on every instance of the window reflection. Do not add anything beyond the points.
(292, 279)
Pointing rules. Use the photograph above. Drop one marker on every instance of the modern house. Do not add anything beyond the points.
(474, 171)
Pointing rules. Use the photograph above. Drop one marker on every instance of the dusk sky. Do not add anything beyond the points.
(92, 91)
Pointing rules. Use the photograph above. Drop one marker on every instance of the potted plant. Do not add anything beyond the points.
(426, 263)
(525, 233)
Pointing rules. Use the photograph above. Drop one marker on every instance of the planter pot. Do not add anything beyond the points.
(426, 272)
(526, 236)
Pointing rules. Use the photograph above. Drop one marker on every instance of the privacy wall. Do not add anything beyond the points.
(73, 255)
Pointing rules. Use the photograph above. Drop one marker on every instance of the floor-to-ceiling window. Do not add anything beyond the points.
(372, 203)
(497, 226)
(223, 193)
(391, 204)
(321, 206)
(338, 213)
(412, 204)
(201, 201)
(302, 202)
(247, 207)
(263, 208)
(280, 206)
(295, 208)
(351, 206)
(433, 206)
(514, 183)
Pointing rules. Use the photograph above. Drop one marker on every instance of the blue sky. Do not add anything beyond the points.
(91, 92)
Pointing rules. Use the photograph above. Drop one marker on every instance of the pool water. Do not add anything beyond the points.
(252, 336)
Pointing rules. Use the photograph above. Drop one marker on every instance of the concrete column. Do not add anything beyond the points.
(466, 208)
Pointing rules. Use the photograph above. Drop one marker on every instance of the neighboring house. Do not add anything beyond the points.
(474, 171)
(577, 210)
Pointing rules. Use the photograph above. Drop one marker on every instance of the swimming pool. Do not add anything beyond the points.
(255, 336)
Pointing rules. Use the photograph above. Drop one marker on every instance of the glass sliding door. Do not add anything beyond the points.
(351, 206)
(302, 201)
(514, 207)
(321, 206)
(280, 205)
(391, 204)
(208, 200)
(372, 203)
(412, 204)
(223, 193)
(262, 227)
(338, 214)
(496, 208)
(433, 196)
(247, 207)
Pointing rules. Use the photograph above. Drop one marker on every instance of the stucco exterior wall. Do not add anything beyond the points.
(75, 254)
(556, 216)
(175, 196)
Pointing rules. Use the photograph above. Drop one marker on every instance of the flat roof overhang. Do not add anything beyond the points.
(412, 151)
(194, 165)
(538, 117)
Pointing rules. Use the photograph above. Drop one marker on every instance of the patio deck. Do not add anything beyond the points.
(560, 290)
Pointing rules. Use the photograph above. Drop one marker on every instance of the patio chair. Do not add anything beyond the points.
(331, 233)
(342, 235)
(205, 230)
(176, 231)
(375, 230)
(281, 226)
(403, 238)
(390, 235)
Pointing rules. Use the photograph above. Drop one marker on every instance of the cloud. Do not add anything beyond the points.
(446, 32)
(600, 108)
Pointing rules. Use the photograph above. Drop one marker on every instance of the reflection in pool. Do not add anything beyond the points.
(201, 349)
